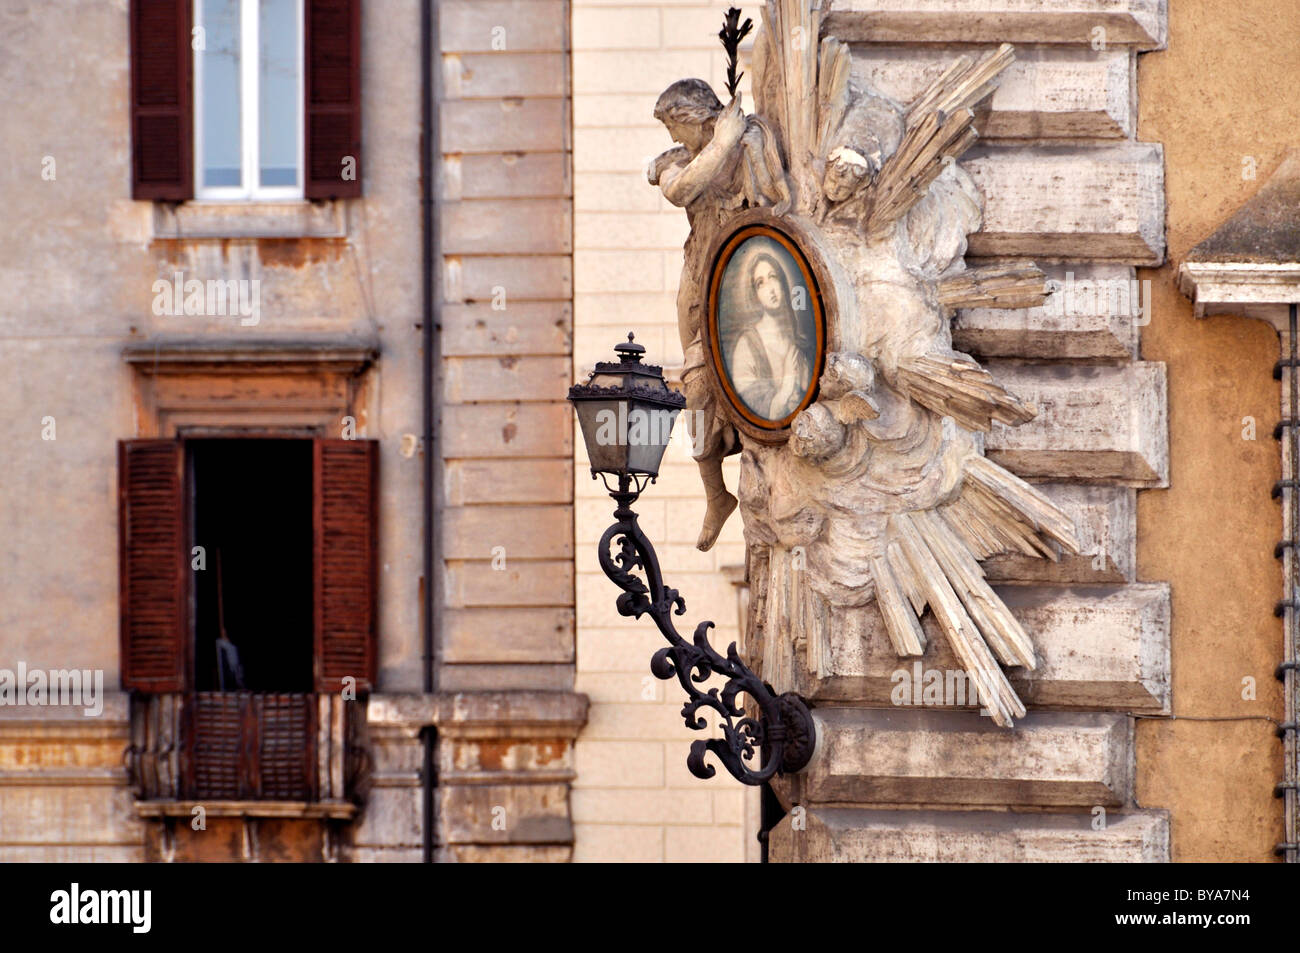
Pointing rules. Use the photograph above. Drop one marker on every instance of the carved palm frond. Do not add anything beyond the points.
(833, 97)
(997, 512)
(974, 620)
(907, 174)
(731, 35)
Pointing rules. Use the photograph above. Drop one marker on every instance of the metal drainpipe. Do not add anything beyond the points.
(1289, 491)
(432, 354)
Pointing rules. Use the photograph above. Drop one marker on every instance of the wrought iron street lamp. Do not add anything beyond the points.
(627, 411)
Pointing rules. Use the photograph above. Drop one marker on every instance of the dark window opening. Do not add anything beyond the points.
(251, 511)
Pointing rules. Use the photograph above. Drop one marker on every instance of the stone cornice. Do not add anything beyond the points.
(1253, 289)
(184, 355)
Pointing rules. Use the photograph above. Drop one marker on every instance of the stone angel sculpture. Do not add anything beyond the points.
(870, 516)
(725, 161)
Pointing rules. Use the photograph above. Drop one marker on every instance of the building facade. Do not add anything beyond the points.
(291, 474)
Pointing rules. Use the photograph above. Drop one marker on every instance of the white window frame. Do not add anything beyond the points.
(249, 118)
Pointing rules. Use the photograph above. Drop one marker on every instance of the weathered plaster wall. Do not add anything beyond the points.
(1220, 98)
(79, 260)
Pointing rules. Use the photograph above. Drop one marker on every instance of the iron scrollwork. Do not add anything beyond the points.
(783, 734)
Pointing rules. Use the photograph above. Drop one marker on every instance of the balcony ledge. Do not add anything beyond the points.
(300, 810)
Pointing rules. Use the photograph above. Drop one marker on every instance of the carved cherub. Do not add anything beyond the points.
(846, 172)
(725, 161)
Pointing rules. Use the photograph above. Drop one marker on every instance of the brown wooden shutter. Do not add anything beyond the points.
(345, 484)
(243, 745)
(332, 86)
(287, 747)
(152, 560)
(216, 755)
(162, 113)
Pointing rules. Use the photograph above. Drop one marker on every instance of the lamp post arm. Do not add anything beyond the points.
(782, 735)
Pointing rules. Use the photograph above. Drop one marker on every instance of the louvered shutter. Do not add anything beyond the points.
(243, 745)
(162, 125)
(287, 747)
(345, 484)
(152, 564)
(332, 86)
(216, 763)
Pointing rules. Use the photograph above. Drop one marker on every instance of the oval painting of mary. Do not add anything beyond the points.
(766, 327)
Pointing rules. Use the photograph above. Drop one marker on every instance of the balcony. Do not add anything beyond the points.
(247, 753)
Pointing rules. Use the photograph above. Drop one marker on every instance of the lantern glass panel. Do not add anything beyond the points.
(648, 431)
(599, 421)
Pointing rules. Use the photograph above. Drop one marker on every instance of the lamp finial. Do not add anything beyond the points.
(631, 352)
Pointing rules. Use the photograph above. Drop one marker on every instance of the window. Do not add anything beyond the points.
(236, 100)
(248, 99)
(165, 503)
(248, 583)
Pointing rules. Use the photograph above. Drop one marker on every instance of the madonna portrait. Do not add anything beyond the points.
(766, 326)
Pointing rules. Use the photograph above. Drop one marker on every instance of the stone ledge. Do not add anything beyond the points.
(876, 756)
(1250, 289)
(1098, 204)
(306, 810)
(69, 720)
(1105, 520)
(1099, 647)
(1061, 93)
(214, 221)
(128, 853)
(69, 814)
(1091, 316)
(857, 836)
(1141, 24)
(504, 854)
(1095, 423)
(365, 854)
(304, 355)
(504, 814)
(38, 776)
(511, 714)
(465, 715)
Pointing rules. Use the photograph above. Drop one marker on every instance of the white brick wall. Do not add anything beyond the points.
(634, 799)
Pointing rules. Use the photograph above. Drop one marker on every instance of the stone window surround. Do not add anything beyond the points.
(290, 386)
(165, 371)
(199, 220)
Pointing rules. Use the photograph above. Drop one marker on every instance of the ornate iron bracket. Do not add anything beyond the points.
(784, 732)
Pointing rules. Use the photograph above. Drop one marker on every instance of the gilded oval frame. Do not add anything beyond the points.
(760, 223)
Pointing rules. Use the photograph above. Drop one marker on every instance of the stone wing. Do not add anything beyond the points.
(953, 385)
